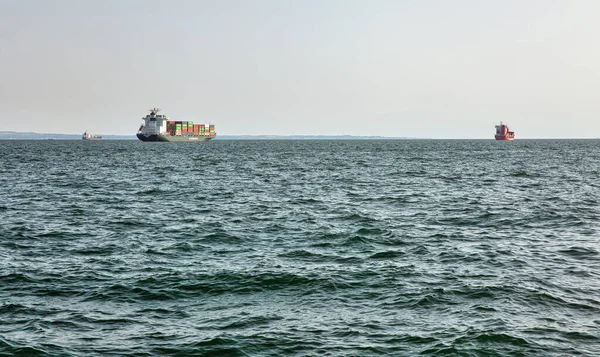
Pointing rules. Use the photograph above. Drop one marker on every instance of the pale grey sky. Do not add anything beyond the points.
(430, 69)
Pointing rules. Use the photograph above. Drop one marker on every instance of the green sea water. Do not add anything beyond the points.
(300, 248)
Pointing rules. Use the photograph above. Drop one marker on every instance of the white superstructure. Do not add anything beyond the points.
(154, 124)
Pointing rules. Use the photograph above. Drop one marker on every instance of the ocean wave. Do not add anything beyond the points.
(300, 248)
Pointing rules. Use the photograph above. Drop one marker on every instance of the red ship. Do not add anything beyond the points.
(503, 133)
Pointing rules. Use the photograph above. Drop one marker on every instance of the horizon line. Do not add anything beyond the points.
(298, 136)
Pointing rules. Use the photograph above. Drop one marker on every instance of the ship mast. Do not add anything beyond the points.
(153, 111)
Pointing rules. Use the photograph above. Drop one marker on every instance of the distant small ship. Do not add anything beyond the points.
(503, 133)
(88, 136)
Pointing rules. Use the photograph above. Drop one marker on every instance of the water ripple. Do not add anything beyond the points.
(300, 248)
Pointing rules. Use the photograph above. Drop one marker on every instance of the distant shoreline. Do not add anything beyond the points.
(13, 135)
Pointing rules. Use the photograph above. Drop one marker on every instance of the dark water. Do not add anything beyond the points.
(300, 248)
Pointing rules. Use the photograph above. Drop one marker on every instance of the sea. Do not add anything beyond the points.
(300, 248)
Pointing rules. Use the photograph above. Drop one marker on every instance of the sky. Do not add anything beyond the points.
(397, 68)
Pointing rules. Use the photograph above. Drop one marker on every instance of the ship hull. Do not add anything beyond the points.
(172, 138)
(504, 137)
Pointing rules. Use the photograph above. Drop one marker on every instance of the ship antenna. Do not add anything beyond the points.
(154, 110)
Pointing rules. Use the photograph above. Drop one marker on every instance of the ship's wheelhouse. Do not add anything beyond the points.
(154, 123)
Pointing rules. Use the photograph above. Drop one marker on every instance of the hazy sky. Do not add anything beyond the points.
(430, 69)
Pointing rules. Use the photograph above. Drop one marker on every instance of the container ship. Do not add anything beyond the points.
(158, 127)
(503, 133)
(88, 136)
